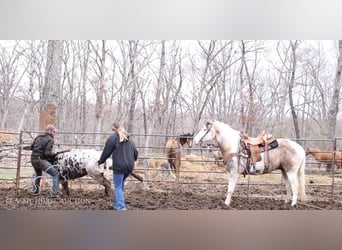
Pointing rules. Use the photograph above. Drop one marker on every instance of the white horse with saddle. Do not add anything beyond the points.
(288, 156)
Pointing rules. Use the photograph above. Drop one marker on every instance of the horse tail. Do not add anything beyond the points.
(301, 179)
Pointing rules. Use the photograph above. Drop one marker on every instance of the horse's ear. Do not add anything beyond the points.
(209, 123)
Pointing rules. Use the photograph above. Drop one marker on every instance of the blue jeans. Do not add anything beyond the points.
(55, 178)
(119, 189)
(41, 165)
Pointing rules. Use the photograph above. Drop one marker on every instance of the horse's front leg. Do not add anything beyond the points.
(232, 180)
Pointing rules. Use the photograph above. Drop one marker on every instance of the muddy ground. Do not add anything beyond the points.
(164, 196)
(204, 190)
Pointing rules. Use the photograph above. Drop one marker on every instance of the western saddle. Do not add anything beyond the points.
(255, 146)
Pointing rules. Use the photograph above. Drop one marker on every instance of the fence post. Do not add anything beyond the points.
(333, 168)
(17, 181)
(178, 166)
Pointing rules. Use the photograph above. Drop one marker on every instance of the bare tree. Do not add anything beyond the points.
(99, 85)
(51, 90)
(248, 114)
(334, 105)
(288, 74)
(33, 62)
(10, 78)
(208, 76)
(133, 53)
(294, 46)
(84, 64)
(172, 90)
(164, 82)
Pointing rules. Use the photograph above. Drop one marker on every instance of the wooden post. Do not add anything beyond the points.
(17, 183)
(333, 169)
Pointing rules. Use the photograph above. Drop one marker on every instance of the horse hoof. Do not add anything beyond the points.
(227, 202)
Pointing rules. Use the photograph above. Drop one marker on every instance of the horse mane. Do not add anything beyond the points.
(221, 124)
(186, 135)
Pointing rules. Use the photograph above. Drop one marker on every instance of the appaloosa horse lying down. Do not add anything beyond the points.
(78, 163)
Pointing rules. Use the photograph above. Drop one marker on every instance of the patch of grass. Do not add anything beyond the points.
(10, 173)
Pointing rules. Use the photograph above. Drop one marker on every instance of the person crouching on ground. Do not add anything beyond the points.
(42, 151)
(124, 154)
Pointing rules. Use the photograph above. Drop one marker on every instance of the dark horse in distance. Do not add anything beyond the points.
(172, 151)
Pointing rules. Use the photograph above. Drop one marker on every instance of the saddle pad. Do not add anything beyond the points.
(271, 145)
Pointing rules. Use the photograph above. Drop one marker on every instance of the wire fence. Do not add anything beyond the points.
(197, 164)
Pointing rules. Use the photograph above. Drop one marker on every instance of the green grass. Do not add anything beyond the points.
(10, 173)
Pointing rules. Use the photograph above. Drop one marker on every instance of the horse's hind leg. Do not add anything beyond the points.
(172, 165)
(106, 184)
(66, 187)
(288, 188)
(293, 181)
(301, 181)
(103, 181)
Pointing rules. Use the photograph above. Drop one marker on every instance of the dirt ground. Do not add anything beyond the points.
(162, 196)
(204, 190)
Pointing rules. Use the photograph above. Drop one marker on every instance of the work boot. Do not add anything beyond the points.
(54, 195)
(35, 193)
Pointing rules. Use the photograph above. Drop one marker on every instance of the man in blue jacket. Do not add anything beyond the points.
(124, 154)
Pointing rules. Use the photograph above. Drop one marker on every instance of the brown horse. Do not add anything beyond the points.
(324, 157)
(172, 151)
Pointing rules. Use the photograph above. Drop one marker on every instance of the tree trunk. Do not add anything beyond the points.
(51, 90)
(84, 70)
(99, 106)
(132, 57)
(291, 86)
(334, 107)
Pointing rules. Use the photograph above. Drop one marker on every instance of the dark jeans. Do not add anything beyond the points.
(41, 165)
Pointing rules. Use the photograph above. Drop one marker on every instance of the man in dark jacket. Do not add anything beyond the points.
(124, 154)
(42, 151)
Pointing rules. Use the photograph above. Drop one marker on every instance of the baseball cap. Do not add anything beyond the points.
(51, 128)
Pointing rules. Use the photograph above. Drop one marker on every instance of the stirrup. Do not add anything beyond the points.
(252, 169)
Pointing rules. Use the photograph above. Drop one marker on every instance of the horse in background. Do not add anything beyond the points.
(172, 151)
(325, 157)
(289, 157)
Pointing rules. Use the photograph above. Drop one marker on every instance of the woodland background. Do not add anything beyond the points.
(290, 88)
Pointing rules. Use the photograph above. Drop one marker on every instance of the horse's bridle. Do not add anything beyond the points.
(207, 132)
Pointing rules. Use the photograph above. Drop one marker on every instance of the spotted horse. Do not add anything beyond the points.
(78, 163)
